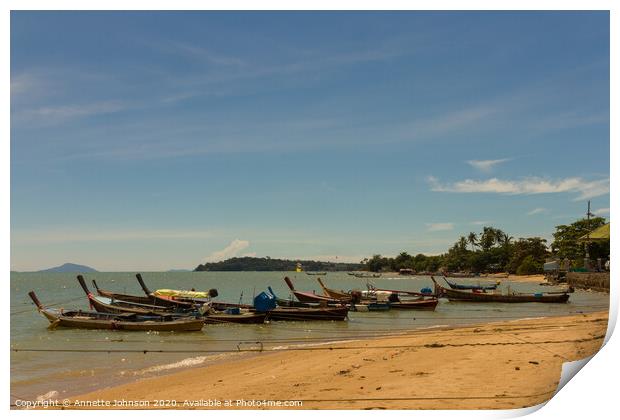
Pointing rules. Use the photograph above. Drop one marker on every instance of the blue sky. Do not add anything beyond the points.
(158, 140)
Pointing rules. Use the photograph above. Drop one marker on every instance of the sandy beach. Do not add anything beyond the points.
(498, 365)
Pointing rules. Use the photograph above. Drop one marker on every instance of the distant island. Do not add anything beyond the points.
(69, 268)
(274, 264)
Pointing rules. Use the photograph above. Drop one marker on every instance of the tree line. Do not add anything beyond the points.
(274, 264)
(493, 250)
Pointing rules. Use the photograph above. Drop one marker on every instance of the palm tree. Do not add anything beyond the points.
(505, 240)
(462, 243)
(472, 238)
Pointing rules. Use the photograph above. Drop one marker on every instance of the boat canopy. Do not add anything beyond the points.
(598, 234)
(181, 293)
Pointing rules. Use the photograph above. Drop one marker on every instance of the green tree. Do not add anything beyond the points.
(566, 242)
(536, 248)
(472, 238)
(529, 266)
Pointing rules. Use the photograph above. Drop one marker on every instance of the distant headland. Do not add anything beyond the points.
(274, 264)
(69, 268)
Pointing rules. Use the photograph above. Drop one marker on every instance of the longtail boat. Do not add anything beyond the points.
(481, 296)
(375, 298)
(371, 306)
(308, 312)
(311, 297)
(328, 313)
(114, 306)
(122, 321)
(332, 293)
(367, 275)
(238, 318)
(457, 286)
(316, 273)
(150, 300)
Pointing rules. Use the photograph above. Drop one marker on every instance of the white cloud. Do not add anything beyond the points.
(230, 251)
(604, 210)
(481, 222)
(537, 210)
(65, 112)
(486, 165)
(530, 185)
(69, 235)
(436, 227)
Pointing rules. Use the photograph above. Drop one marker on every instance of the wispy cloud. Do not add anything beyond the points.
(203, 54)
(436, 227)
(486, 165)
(604, 210)
(537, 210)
(67, 235)
(62, 113)
(232, 250)
(481, 222)
(531, 185)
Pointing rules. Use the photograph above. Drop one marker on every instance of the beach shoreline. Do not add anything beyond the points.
(496, 365)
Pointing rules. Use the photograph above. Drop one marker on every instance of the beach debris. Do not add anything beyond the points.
(517, 368)
(344, 371)
(533, 362)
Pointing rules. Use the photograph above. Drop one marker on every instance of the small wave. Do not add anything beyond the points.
(48, 396)
(528, 319)
(189, 362)
(323, 343)
(185, 363)
(430, 327)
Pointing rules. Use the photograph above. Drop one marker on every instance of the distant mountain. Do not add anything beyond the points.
(69, 268)
(175, 270)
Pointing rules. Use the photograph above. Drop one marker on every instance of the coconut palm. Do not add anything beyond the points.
(472, 238)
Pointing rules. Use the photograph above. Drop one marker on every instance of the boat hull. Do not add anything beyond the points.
(420, 305)
(84, 321)
(243, 318)
(458, 295)
(309, 314)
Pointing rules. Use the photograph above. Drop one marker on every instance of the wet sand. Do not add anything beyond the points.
(500, 365)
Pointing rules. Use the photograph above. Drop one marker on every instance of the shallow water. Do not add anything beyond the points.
(68, 373)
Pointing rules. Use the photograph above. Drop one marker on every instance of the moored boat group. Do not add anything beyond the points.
(182, 310)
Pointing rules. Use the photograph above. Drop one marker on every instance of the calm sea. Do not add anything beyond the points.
(59, 374)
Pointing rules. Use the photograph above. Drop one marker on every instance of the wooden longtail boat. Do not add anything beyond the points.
(316, 273)
(145, 300)
(106, 321)
(371, 306)
(241, 318)
(116, 306)
(311, 297)
(460, 295)
(291, 311)
(332, 293)
(367, 275)
(110, 305)
(457, 286)
(397, 299)
(329, 313)
(422, 304)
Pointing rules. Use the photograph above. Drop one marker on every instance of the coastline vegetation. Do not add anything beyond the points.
(491, 250)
